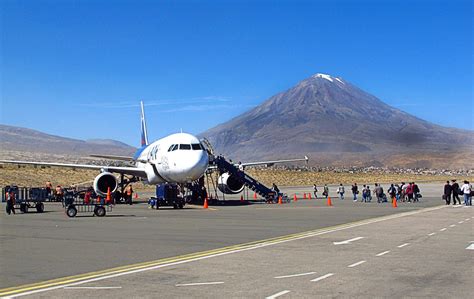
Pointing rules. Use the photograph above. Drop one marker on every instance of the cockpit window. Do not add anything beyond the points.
(196, 147)
(171, 148)
(175, 147)
(185, 146)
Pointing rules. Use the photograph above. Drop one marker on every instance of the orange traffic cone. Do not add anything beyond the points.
(309, 196)
(255, 195)
(206, 204)
(279, 200)
(394, 202)
(295, 198)
(304, 195)
(329, 201)
(108, 198)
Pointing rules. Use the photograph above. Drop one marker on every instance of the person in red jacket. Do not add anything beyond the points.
(409, 192)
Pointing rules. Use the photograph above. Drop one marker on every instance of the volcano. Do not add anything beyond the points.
(336, 123)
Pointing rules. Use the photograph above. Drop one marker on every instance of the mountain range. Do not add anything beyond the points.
(16, 139)
(336, 123)
(327, 118)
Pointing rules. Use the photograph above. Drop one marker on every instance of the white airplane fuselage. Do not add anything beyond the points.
(177, 158)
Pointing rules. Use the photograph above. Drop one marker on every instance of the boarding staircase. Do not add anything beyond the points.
(225, 166)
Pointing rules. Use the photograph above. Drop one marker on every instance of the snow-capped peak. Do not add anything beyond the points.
(328, 77)
(324, 76)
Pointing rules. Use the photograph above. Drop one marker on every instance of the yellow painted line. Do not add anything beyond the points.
(192, 256)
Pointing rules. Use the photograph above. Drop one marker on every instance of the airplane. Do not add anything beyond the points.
(179, 158)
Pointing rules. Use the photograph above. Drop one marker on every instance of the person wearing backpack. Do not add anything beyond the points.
(456, 192)
(355, 191)
(340, 191)
(392, 191)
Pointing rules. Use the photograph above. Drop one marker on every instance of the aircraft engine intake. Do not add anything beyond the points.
(103, 181)
(228, 184)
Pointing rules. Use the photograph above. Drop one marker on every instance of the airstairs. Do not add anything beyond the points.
(225, 166)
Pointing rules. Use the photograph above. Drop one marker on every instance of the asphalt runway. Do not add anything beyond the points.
(40, 247)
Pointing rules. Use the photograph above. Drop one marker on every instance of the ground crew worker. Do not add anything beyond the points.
(10, 202)
(129, 193)
(59, 193)
(49, 188)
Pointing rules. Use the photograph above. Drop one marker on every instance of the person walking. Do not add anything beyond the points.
(466, 190)
(416, 192)
(129, 194)
(409, 192)
(378, 191)
(355, 191)
(326, 191)
(364, 193)
(340, 191)
(456, 192)
(10, 201)
(315, 191)
(392, 191)
(447, 192)
(369, 194)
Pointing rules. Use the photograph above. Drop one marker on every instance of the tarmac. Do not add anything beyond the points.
(302, 249)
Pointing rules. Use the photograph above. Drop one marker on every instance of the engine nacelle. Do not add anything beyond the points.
(104, 181)
(228, 184)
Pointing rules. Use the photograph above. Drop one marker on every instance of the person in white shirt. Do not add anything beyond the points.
(466, 191)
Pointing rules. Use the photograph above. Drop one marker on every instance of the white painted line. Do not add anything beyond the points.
(277, 294)
(452, 225)
(356, 264)
(322, 277)
(243, 249)
(443, 229)
(295, 275)
(383, 253)
(461, 222)
(432, 234)
(198, 283)
(347, 241)
(467, 219)
(403, 245)
(91, 288)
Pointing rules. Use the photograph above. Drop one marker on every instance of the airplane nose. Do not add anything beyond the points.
(197, 165)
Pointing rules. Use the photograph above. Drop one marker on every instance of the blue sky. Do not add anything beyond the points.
(79, 68)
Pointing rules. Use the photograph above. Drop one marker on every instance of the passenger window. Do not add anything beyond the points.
(171, 148)
(184, 146)
(196, 147)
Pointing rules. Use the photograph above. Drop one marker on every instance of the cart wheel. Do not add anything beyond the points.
(175, 206)
(40, 207)
(24, 208)
(99, 211)
(71, 211)
(181, 206)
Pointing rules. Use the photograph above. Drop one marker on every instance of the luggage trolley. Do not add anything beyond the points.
(27, 198)
(73, 203)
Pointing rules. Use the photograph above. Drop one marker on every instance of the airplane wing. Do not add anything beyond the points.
(115, 169)
(112, 157)
(267, 163)
(271, 163)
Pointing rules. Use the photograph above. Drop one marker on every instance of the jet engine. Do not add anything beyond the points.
(229, 184)
(104, 181)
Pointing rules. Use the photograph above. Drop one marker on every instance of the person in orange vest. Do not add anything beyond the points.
(10, 202)
(49, 188)
(129, 194)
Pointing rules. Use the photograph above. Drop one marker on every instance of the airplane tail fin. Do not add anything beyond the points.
(144, 137)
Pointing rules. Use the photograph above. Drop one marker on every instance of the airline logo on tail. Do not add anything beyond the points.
(144, 137)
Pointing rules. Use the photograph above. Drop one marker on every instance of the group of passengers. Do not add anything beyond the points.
(452, 190)
(401, 192)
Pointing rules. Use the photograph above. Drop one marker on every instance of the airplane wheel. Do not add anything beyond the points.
(40, 207)
(99, 211)
(71, 211)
